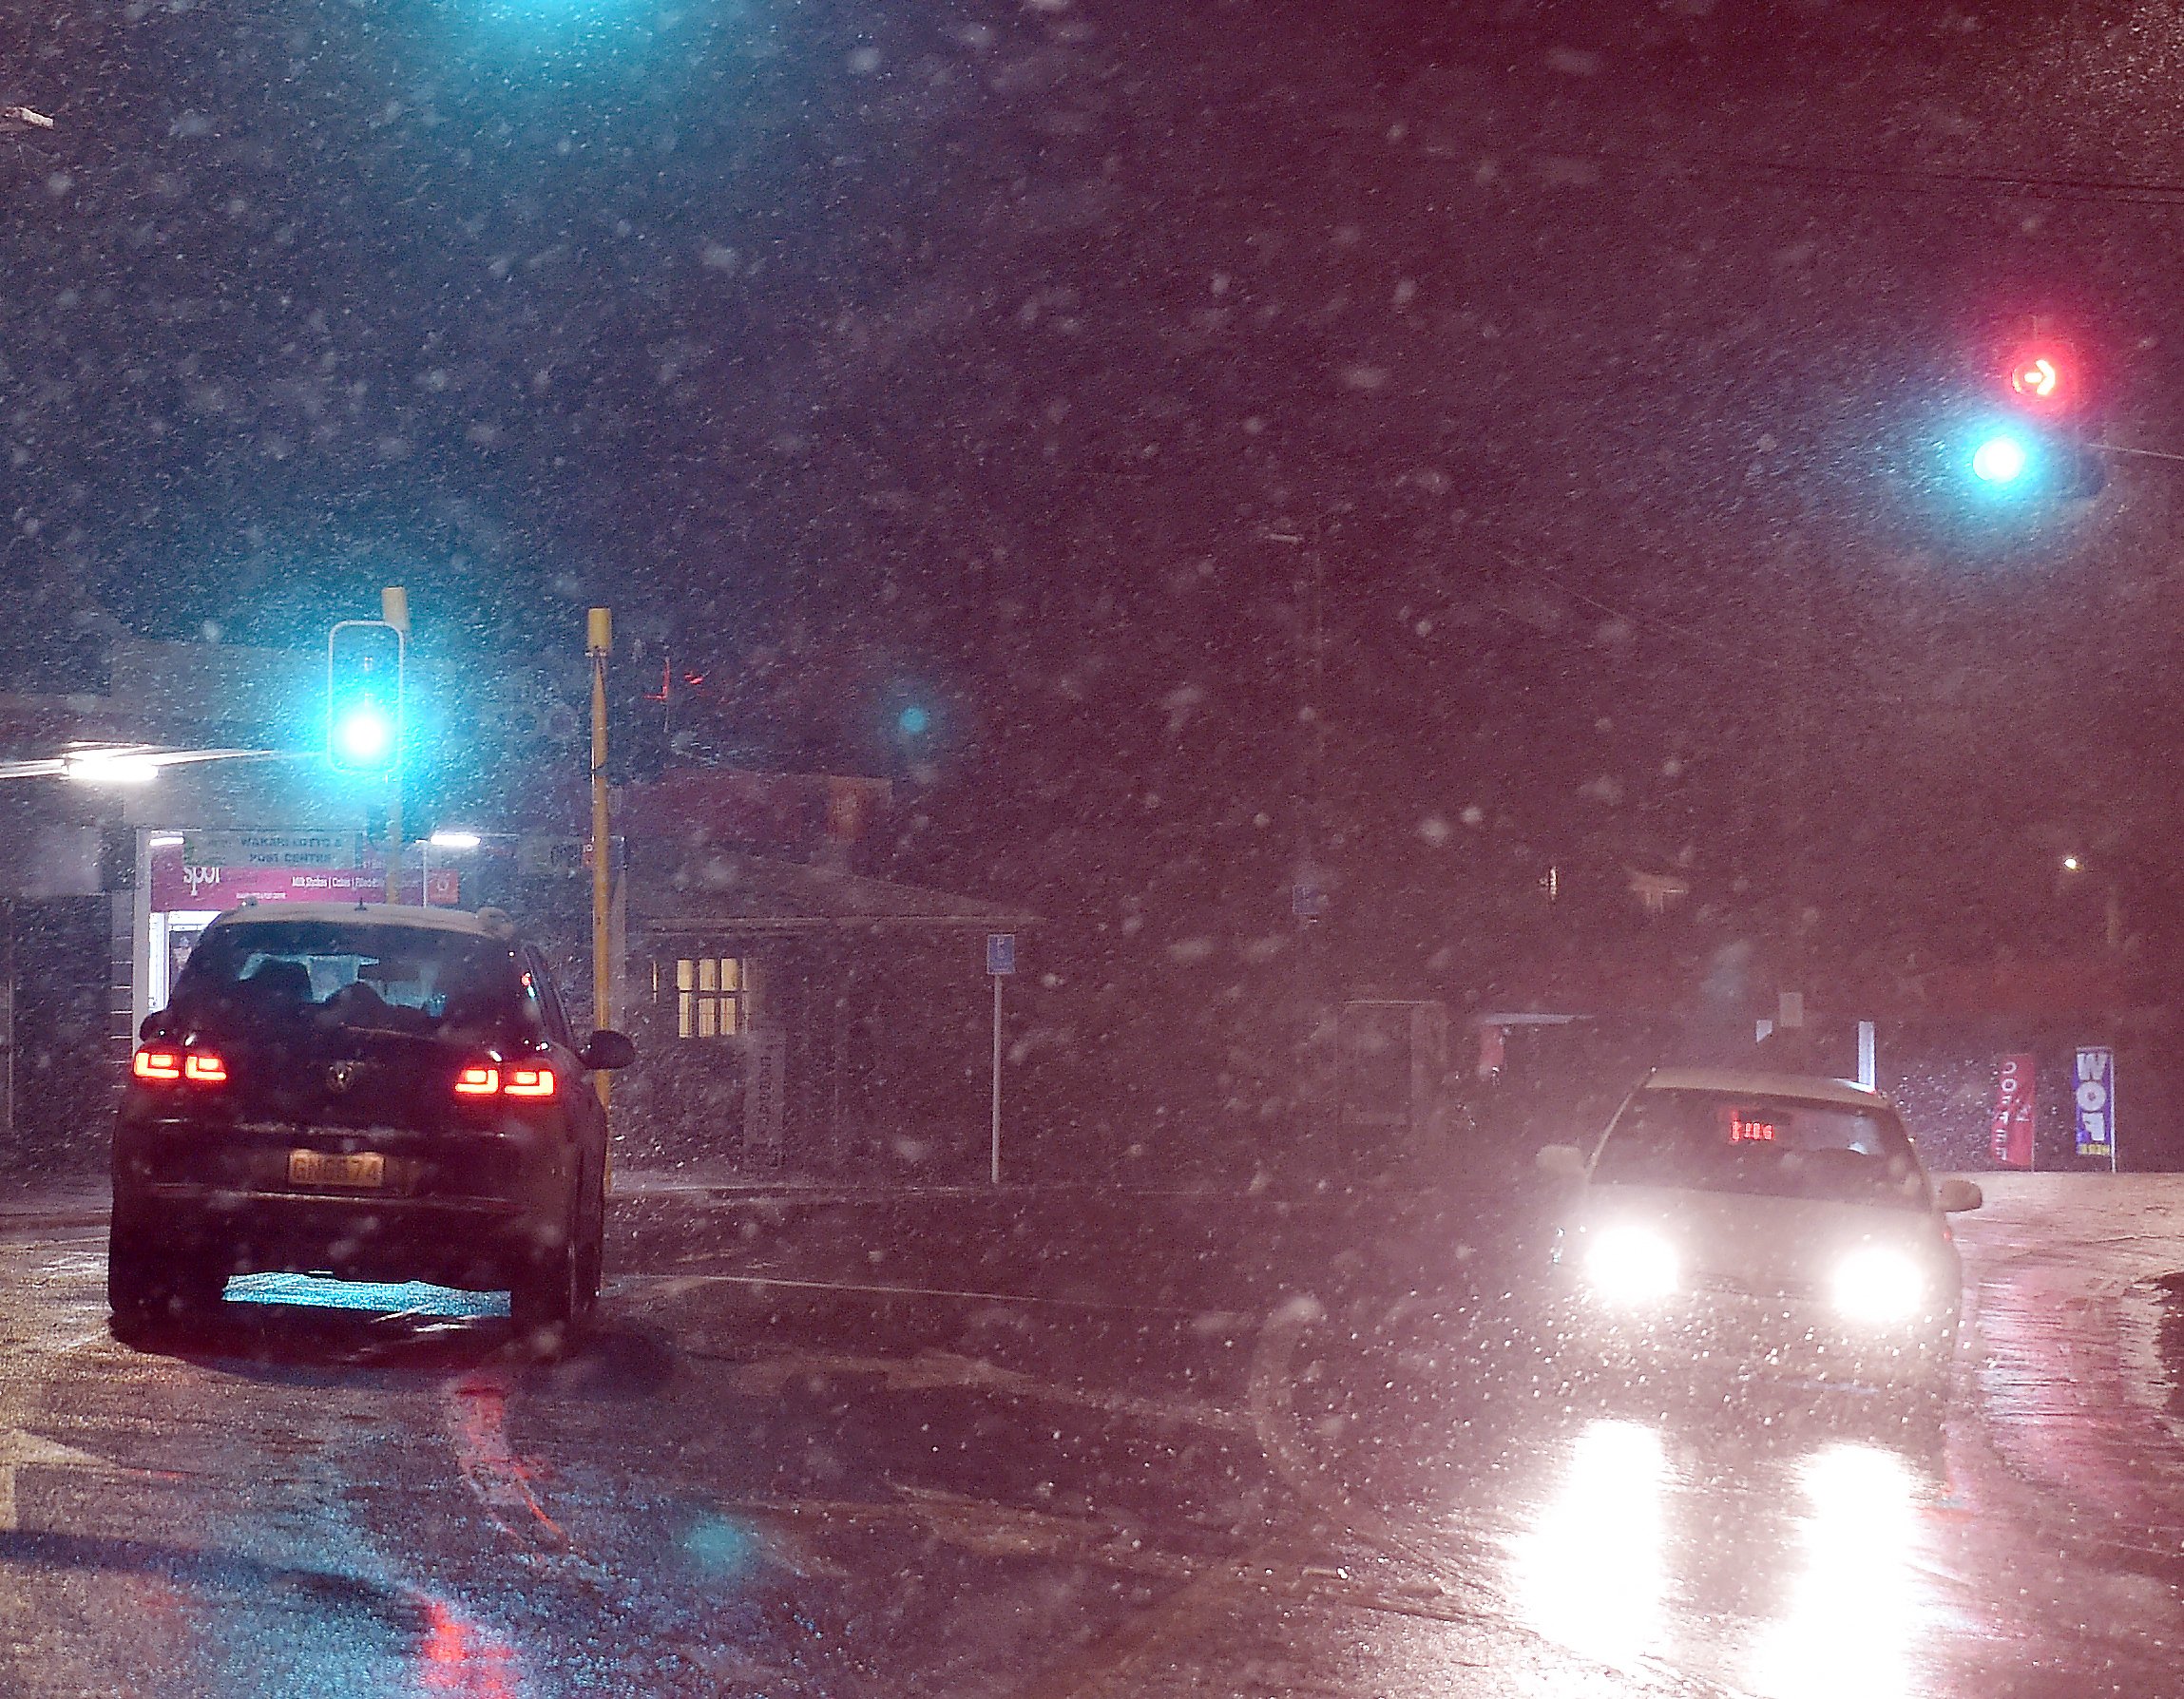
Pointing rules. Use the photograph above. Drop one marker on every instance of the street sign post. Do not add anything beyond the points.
(1000, 963)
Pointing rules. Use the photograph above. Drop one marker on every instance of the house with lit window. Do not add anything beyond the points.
(794, 1015)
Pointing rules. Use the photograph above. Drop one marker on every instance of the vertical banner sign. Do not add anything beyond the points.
(2010, 1136)
(2094, 1093)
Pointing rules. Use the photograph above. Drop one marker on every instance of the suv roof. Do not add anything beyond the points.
(489, 922)
(1813, 1087)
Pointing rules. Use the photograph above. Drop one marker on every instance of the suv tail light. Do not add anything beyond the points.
(477, 1082)
(156, 1064)
(487, 1080)
(529, 1082)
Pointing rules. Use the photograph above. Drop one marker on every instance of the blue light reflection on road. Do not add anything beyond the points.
(413, 1297)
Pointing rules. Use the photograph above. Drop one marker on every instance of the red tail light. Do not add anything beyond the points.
(529, 1082)
(158, 1064)
(486, 1079)
(477, 1082)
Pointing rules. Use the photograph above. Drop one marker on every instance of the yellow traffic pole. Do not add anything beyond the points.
(599, 639)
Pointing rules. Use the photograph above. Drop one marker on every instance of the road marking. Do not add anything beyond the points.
(991, 1530)
(946, 1372)
(20, 1448)
(674, 1286)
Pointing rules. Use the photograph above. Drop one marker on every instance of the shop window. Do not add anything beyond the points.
(710, 998)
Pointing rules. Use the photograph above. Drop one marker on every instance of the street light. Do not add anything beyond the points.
(110, 769)
(455, 840)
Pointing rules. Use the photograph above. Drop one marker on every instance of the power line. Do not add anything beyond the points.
(1914, 180)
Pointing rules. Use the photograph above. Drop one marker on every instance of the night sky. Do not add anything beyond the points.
(1591, 378)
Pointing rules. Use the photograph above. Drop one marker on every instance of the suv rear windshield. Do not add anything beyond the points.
(1778, 1147)
(361, 978)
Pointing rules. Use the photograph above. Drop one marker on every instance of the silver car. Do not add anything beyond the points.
(1747, 1222)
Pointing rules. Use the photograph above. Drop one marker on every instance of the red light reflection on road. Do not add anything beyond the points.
(460, 1660)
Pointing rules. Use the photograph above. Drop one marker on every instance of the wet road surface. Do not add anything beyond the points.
(1072, 1445)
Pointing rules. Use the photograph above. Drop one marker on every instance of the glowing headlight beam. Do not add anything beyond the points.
(1631, 1264)
(1879, 1287)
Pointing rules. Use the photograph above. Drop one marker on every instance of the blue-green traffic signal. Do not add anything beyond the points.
(364, 697)
(2001, 459)
(364, 735)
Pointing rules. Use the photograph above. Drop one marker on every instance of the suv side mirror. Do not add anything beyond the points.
(1956, 1197)
(608, 1048)
(1561, 1162)
(151, 1025)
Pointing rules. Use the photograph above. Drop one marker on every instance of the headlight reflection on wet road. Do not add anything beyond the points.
(1598, 1574)
(1853, 1610)
(1590, 1574)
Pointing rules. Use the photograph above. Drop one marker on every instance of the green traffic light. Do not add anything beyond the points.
(2001, 459)
(364, 735)
(364, 697)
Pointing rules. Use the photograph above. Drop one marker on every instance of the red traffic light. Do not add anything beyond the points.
(2044, 376)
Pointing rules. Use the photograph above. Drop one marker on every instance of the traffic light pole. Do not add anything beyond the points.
(395, 610)
(599, 639)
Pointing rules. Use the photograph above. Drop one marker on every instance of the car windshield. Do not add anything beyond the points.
(1749, 1141)
(408, 980)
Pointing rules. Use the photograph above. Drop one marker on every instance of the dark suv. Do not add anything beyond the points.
(374, 1094)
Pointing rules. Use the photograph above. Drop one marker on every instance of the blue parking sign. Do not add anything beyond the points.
(1000, 952)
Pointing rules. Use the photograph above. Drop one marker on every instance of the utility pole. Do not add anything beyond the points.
(599, 639)
(395, 611)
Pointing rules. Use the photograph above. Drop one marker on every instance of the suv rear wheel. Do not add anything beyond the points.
(546, 1296)
(150, 1286)
(592, 1259)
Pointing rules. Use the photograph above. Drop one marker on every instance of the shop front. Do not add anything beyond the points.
(188, 878)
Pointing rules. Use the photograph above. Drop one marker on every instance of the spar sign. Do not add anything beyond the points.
(2009, 1140)
(2092, 1092)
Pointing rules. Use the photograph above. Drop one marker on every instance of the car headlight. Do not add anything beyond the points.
(1631, 1264)
(1879, 1286)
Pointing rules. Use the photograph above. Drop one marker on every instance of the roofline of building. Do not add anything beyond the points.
(830, 922)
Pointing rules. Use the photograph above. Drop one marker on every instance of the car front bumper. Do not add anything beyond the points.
(1698, 1339)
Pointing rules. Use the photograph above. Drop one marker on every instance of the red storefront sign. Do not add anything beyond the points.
(175, 885)
(2010, 1134)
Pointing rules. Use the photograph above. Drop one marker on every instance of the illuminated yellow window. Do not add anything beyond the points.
(709, 993)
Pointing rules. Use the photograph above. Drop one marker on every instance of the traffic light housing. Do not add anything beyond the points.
(2033, 442)
(364, 663)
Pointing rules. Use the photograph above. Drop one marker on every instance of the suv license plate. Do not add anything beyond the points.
(322, 1168)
